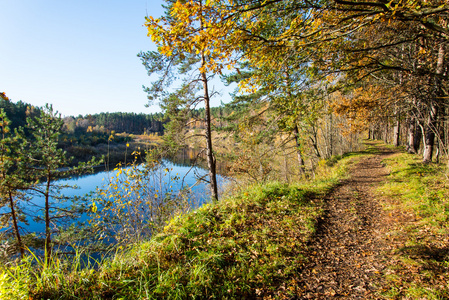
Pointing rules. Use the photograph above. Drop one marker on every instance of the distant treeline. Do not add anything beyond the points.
(83, 137)
(17, 112)
(117, 122)
(141, 123)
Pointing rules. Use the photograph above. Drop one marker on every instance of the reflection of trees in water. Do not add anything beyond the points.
(189, 156)
(184, 158)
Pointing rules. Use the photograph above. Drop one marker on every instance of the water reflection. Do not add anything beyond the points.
(180, 165)
(188, 157)
(85, 184)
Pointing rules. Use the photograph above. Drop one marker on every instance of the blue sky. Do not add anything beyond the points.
(80, 56)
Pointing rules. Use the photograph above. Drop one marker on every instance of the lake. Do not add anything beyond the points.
(89, 183)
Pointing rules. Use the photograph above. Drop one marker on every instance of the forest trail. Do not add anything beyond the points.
(346, 255)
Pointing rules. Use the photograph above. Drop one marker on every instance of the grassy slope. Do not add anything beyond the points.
(419, 211)
(252, 244)
(242, 246)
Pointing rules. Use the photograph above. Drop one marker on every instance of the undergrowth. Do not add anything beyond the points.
(247, 245)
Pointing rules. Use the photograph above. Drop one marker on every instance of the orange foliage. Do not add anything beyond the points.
(364, 106)
(4, 97)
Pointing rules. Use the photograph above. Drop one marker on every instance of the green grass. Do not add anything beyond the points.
(246, 245)
(418, 202)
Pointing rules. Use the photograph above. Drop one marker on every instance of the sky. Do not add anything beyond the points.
(80, 56)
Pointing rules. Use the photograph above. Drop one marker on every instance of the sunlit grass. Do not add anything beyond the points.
(418, 202)
(249, 244)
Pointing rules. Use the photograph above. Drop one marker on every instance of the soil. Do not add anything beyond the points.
(346, 256)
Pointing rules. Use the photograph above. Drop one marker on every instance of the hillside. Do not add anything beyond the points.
(337, 237)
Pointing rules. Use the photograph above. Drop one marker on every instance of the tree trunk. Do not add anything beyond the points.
(15, 226)
(315, 141)
(209, 151)
(432, 123)
(421, 133)
(397, 131)
(430, 134)
(411, 135)
(298, 150)
(431, 128)
(47, 220)
(315, 147)
(286, 171)
(414, 136)
(418, 138)
(331, 136)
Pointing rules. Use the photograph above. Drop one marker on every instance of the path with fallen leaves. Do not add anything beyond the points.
(345, 256)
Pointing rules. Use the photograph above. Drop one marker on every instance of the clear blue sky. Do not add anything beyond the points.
(80, 56)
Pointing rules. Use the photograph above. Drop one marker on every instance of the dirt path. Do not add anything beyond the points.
(346, 254)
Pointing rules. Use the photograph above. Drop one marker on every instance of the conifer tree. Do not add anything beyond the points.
(10, 179)
(43, 162)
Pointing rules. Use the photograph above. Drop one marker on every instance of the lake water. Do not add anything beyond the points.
(89, 183)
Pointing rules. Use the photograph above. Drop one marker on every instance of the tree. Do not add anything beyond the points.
(11, 179)
(43, 163)
(181, 36)
(392, 46)
(400, 44)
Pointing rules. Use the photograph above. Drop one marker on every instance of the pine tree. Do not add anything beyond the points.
(43, 162)
(11, 179)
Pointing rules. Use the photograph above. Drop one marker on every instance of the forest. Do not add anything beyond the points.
(382, 67)
(335, 100)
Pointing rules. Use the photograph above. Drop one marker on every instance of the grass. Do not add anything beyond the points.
(251, 244)
(418, 204)
(244, 246)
